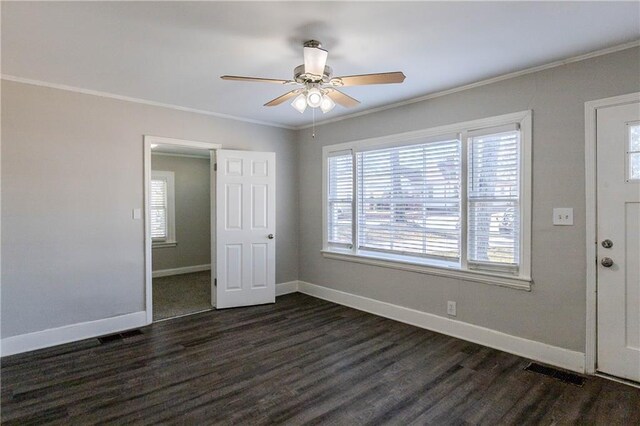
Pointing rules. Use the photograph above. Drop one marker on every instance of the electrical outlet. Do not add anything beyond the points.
(451, 308)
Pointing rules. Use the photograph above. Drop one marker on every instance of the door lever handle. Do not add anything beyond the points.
(270, 236)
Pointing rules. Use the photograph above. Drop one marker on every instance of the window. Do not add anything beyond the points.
(340, 198)
(452, 201)
(633, 152)
(409, 200)
(162, 210)
(493, 197)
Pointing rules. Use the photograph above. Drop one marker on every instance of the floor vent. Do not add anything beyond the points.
(130, 333)
(119, 336)
(563, 376)
(110, 338)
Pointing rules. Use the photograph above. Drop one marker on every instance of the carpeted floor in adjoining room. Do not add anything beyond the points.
(183, 294)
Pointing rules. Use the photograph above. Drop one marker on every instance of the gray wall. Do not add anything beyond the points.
(72, 255)
(554, 312)
(193, 212)
(72, 171)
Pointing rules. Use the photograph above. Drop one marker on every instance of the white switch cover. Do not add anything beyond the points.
(137, 214)
(563, 216)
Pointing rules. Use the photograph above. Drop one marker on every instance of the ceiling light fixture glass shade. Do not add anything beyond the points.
(314, 60)
(300, 103)
(327, 104)
(314, 97)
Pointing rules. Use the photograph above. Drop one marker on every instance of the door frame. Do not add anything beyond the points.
(590, 121)
(148, 140)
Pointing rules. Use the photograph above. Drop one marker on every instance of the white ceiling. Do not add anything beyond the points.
(174, 52)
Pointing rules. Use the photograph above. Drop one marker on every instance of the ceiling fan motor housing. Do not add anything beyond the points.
(301, 77)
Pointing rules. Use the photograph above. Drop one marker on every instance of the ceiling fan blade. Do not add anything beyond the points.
(342, 98)
(315, 59)
(253, 79)
(360, 80)
(282, 98)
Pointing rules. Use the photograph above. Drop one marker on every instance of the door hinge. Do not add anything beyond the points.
(215, 167)
(215, 282)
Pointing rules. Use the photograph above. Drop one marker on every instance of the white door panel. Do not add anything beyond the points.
(618, 221)
(246, 253)
(212, 196)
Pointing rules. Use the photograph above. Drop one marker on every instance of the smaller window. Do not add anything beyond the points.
(340, 199)
(633, 152)
(162, 209)
(494, 199)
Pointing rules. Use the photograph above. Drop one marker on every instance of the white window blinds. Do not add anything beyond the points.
(409, 200)
(340, 198)
(494, 199)
(159, 222)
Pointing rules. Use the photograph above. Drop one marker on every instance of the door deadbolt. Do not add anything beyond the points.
(607, 243)
(607, 262)
(270, 236)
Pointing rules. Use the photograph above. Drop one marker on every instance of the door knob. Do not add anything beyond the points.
(607, 262)
(270, 236)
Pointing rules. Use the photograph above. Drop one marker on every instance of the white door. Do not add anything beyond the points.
(618, 194)
(246, 225)
(213, 204)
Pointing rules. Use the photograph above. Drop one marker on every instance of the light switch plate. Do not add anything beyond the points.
(562, 216)
(137, 214)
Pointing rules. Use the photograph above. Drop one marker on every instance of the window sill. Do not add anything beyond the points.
(164, 244)
(501, 280)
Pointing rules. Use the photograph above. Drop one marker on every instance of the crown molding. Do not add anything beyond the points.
(480, 83)
(138, 100)
(515, 74)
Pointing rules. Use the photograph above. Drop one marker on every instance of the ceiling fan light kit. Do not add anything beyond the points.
(314, 97)
(318, 86)
(327, 104)
(300, 103)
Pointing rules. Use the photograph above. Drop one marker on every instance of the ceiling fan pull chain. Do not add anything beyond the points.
(313, 128)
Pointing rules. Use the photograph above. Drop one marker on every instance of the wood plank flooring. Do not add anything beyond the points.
(299, 361)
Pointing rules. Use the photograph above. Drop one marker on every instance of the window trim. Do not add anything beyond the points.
(520, 281)
(170, 240)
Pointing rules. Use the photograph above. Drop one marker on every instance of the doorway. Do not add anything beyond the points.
(242, 231)
(180, 231)
(180, 235)
(613, 207)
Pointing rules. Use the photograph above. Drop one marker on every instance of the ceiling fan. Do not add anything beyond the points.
(316, 85)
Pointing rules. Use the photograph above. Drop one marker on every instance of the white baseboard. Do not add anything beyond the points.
(286, 288)
(71, 333)
(179, 271)
(553, 355)
(86, 330)
(548, 354)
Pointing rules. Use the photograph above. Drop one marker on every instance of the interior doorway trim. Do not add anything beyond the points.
(590, 111)
(148, 141)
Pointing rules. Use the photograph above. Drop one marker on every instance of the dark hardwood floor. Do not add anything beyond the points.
(300, 361)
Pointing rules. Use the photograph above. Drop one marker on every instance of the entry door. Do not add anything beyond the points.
(246, 225)
(618, 194)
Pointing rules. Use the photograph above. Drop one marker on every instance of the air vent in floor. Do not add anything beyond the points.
(563, 376)
(119, 336)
